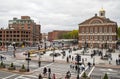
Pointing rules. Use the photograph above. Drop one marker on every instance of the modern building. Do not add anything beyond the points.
(14, 35)
(56, 34)
(21, 30)
(98, 31)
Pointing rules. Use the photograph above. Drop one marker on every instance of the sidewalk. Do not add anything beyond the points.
(20, 56)
(108, 66)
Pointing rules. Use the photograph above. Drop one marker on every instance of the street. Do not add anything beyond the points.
(59, 67)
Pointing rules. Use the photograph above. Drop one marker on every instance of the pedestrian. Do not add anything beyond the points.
(1, 57)
(68, 75)
(76, 67)
(40, 76)
(69, 56)
(89, 65)
(49, 73)
(72, 58)
(45, 71)
(116, 62)
(14, 54)
(71, 65)
(83, 67)
(53, 77)
(39, 63)
(119, 62)
(67, 60)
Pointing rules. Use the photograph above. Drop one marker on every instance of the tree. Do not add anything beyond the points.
(118, 32)
(105, 77)
(84, 75)
(70, 35)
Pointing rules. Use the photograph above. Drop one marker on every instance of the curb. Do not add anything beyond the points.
(108, 66)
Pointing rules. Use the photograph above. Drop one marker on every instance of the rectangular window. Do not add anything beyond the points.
(87, 30)
(100, 30)
(110, 38)
(110, 29)
(91, 30)
(96, 30)
(82, 30)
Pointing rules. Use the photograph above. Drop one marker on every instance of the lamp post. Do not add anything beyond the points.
(78, 58)
(39, 62)
(63, 46)
(85, 46)
(7, 45)
(93, 61)
(53, 51)
(14, 49)
(28, 61)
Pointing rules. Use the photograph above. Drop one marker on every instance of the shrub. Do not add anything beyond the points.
(84, 75)
(2, 65)
(106, 76)
(23, 69)
(12, 67)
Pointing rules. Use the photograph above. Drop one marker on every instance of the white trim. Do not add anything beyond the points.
(97, 24)
(97, 34)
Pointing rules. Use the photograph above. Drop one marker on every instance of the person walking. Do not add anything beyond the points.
(116, 62)
(45, 71)
(68, 75)
(49, 73)
(53, 77)
(40, 76)
(67, 59)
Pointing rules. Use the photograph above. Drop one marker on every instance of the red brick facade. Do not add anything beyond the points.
(56, 34)
(24, 29)
(98, 31)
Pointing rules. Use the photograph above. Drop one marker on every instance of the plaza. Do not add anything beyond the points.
(60, 65)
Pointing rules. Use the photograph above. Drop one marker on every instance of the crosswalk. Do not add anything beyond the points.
(58, 68)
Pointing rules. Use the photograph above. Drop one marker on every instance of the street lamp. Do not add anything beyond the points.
(85, 46)
(39, 62)
(28, 60)
(53, 51)
(78, 58)
(14, 49)
(93, 61)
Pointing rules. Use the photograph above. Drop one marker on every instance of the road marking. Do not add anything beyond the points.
(83, 71)
(91, 71)
(25, 76)
(9, 76)
(42, 67)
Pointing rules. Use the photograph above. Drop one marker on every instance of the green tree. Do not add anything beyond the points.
(84, 75)
(106, 76)
(70, 35)
(74, 34)
(118, 32)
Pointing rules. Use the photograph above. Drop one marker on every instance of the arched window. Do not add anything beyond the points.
(96, 21)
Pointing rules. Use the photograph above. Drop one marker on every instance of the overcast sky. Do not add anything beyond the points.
(57, 14)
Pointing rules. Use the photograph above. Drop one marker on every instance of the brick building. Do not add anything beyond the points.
(54, 35)
(19, 30)
(98, 31)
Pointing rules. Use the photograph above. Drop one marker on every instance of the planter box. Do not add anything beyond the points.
(2, 66)
(11, 68)
(22, 70)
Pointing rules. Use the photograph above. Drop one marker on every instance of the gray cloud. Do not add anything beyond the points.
(57, 14)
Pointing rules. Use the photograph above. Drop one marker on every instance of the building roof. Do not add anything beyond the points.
(97, 20)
